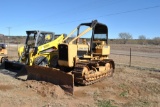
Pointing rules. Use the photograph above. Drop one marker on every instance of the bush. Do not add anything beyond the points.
(142, 40)
(156, 41)
(125, 37)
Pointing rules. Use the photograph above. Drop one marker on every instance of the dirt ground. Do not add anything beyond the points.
(129, 87)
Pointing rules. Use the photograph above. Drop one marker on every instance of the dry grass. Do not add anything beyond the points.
(145, 56)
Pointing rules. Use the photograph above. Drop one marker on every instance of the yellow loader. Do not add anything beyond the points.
(3, 50)
(39, 49)
(78, 61)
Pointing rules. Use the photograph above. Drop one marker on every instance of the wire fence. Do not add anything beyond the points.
(131, 58)
(137, 59)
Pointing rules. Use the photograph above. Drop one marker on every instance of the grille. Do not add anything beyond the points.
(63, 52)
(81, 53)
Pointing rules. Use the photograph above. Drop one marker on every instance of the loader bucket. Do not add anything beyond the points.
(13, 66)
(55, 76)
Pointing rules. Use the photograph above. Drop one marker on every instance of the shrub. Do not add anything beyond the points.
(156, 41)
(105, 103)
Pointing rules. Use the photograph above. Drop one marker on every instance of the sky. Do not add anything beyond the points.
(136, 17)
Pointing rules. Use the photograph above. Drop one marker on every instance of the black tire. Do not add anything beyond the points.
(4, 59)
(41, 61)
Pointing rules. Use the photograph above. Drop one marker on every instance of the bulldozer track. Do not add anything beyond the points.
(92, 77)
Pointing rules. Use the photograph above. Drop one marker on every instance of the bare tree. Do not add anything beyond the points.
(142, 39)
(156, 40)
(125, 37)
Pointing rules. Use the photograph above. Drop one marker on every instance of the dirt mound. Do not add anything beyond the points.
(5, 87)
(45, 89)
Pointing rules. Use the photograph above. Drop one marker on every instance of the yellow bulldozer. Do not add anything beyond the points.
(83, 62)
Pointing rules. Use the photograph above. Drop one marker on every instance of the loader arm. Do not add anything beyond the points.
(53, 44)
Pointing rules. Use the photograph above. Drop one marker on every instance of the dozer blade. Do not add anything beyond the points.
(55, 76)
(13, 66)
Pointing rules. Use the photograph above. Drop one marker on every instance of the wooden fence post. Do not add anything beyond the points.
(130, 58)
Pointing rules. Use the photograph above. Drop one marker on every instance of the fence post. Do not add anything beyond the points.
(130, 58)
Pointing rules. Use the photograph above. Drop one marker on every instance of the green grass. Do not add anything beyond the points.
(123, 86)
(124, 94)
(105, 103)
(125, 91)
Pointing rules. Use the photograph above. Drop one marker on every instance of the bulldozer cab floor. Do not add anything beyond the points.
(55, 76)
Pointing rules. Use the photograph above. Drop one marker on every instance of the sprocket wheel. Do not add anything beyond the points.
(109, 69)
(85, 71)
